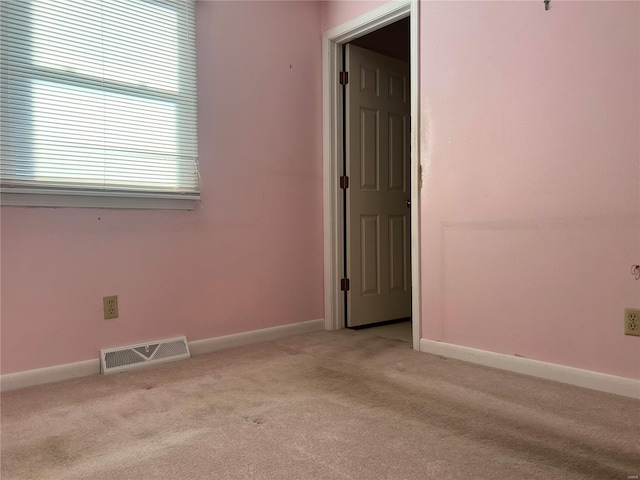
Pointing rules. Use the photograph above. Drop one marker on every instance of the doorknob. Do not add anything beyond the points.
(408, 203)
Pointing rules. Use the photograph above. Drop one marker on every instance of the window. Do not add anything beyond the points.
(98, 103)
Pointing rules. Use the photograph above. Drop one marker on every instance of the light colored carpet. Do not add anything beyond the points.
(398, 331)
(326, 405)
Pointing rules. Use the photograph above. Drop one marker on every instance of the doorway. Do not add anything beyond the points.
(376, 173)
(399, 14)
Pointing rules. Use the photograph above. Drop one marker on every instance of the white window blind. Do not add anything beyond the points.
(98, 103)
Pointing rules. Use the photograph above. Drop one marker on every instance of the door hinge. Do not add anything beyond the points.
(344, 182)
(344, 78)
(344, 284)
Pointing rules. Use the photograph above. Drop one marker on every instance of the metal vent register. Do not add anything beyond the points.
(133, 356)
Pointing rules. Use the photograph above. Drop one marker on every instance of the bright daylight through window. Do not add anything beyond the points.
(98, 103)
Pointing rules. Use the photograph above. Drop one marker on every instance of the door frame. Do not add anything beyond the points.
(333, 205)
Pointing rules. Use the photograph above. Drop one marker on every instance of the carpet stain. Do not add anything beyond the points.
(143, 435)
(254, 420)
(53, 450)
(37, 457)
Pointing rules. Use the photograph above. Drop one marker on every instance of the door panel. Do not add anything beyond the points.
(397, 253)
(397, 153)
(369, 155)
(378, 220)
(370, 252)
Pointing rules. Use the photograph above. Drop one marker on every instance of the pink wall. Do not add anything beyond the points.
(251, 258)
(530, 207)
(337, 12)
(531, 157)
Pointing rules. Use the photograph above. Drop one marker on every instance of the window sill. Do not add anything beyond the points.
(62, 199)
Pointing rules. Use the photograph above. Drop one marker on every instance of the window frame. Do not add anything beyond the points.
(50, 195)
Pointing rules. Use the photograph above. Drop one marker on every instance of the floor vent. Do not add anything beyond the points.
(118, 359)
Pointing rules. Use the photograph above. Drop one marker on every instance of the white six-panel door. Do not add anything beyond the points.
(378, 165)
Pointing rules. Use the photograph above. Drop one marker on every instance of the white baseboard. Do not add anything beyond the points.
(627, 387)
(40, 376)
(198, 347)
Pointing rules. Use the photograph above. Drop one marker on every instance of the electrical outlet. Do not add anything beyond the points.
(110, 305)
(632, 321)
